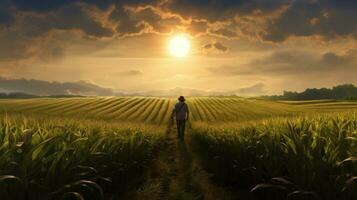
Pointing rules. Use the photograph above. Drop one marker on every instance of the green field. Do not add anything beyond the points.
(149, 109)
(125, 148)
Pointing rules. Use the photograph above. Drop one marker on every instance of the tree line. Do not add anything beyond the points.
(345, 91)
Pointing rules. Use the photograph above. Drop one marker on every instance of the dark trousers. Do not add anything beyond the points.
(181, 129)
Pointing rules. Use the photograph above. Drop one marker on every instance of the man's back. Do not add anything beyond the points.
(181, 110)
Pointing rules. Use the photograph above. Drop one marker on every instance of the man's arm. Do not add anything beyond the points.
(188, 113)
(173, 112)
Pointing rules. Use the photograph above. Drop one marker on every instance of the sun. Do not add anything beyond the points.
(179, 46)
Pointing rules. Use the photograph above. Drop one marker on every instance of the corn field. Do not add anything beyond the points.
(152, 110)
(102, 147)
(60, 159)
(311, 157)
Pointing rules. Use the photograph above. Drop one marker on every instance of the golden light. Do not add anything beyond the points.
(179, 46)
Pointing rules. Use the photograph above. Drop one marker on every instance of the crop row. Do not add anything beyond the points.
(150, 109)
(61, 158)
(311, 157)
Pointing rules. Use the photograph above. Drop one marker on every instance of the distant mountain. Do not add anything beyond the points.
(16, 95)
(31, 88)
(45, 88)
(20, 95)
(346, 91)
(255, 90)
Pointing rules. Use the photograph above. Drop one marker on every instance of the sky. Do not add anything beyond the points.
(260, 46)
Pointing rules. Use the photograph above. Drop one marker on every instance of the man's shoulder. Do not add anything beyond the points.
(179, 104)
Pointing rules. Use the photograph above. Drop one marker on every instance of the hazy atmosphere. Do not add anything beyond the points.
(231, 46)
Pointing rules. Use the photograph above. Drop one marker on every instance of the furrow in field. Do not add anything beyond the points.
(59, 109)
(168, 111)
(156, 110)
(225, 108)
(220, 114)
(21, 105)
(74, 106)
(93, 108)
(98, 111)
(51, 105)
(142, 109)
(114, 107)
(195, 115)
(116, 111)
(54, 107)
(162, 111)
(81, 109)
(149, 110)
(208, 109)
(201, 111)
(128, 111)
(34, 105)
(109, 107)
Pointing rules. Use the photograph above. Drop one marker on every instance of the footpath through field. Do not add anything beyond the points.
(177, 175)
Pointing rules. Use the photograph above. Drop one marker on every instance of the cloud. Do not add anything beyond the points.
(254, 90)
(26, 26)
(222, 10)
(198, 27)
(6, 18)
(133, 72)
(39, 87)
(225, 32)
(215, 46)
(32, 34)
(291, 63)
(329, 19)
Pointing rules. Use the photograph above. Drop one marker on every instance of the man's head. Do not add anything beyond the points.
(181, 98)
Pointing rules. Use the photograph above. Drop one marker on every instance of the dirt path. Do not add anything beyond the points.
(177, 175)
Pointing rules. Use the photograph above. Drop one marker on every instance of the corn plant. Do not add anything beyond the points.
(300, 158)
(59, 158)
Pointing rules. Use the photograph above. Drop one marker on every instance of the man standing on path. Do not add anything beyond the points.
(181, 113)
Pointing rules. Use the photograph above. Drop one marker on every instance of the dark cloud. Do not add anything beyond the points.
(6, 19)
(329, 19)
(291, 63)
(215, 46)
(39, 87)
(126, 24)
(21, 40)
(75, 17)
(277, 19)
(69, 17)
(221, 10)
(50, 5)
(40, 6)
(137, 20)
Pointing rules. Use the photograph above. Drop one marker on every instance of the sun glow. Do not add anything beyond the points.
(179, 46)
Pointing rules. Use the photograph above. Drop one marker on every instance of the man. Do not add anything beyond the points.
(181, 113)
